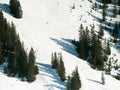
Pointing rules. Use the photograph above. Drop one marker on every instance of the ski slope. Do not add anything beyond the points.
(49, 26)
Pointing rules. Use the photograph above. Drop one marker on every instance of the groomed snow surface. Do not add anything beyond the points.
(49, 26)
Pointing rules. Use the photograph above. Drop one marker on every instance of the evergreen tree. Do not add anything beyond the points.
(69, 83)
(61, 68)
(22, 61)
(15, 8)
(96, 51)
(31, 66)
(13, 54)
(54, 61)
(83, 43)
(75, 80)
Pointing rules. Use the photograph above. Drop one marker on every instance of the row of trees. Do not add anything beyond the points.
(89, 47)
(73, 81)
(13, 55)
(15, 8)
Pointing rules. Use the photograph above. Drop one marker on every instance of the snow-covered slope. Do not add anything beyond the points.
(49, 26)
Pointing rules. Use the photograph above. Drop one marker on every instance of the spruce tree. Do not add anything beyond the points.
(15, 8)
(22, 61)
(54, 61)
(75, 80)
(31, 66)
(68, 83)
(61, 68)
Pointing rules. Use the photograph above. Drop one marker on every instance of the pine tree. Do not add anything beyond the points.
(61, 68)
(54, 61)
(22, 61)
(96, 51)
(103, 78)
(68, 83)
(83, 43)
(15, 8)
(31, 66)
(75, 80)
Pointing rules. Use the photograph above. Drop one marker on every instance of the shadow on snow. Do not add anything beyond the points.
(49, 72)
(94, 81)
(5, 8)
(66, 45)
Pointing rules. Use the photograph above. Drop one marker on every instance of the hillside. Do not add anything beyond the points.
(49, 26)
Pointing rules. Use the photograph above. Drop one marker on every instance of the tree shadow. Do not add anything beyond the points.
(114, 76)
(49, 72)
(94, 81)
(5, 7)
(66, 45)
(96, 18)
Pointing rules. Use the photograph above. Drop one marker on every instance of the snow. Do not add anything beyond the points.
(49, 26)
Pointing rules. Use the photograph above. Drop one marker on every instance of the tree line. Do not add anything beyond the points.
(89, 47)
(13, 55)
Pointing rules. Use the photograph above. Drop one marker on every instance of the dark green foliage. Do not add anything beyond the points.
(68, 83)
(96, 52)
(83, 43)
(74, 82)
(13, 54)
(61, 68)
(54, 61)
(15, 8)
(89, 47)
(31, 66)
(58, 64)
(106, 1)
